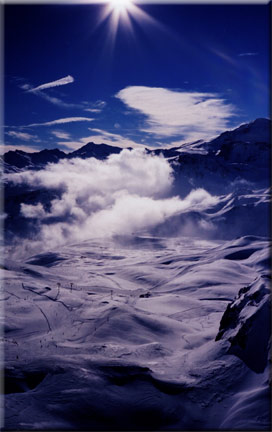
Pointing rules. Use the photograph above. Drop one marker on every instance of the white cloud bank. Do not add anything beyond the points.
(121, 195)
(62, 81)
(193, 115)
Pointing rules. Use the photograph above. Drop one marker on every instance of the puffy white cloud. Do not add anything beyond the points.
(171, 113)
(33, 211)
(123, 194)
(134, 171)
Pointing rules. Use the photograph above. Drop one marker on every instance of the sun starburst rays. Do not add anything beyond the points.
(122, 13)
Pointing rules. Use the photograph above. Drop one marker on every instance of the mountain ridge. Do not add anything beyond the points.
(237, 145)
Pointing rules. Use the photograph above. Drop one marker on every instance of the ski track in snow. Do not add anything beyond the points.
(132, 340)
(163, 331)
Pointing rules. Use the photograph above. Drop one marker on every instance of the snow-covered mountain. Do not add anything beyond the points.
(137, 286)
(248, 144)
(255, 135)
(18, 159)
(15, 160)
(241, 174)
(98, 151)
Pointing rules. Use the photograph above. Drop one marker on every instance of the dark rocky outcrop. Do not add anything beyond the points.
(246, 325)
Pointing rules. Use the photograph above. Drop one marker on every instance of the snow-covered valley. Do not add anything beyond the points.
(121, 335)
(137, 292)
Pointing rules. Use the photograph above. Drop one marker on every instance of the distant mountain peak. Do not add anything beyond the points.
(254, 133)
(99, 151)
(247, 143)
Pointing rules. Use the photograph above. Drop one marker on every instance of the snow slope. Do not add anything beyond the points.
(162, 322)
(138, 340)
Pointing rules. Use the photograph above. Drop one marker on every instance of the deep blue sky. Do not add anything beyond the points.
(218, 49)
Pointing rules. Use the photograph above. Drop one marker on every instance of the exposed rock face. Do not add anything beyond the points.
(246, 324)
(18, 160)
(99, 151)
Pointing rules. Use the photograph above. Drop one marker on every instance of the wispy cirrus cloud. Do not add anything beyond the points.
(56, 101)
(112, 139)
(62, 81)
(249, 54)
(93, 110)
(61, 134)
(100, 136)
(40, 91)
(7, 147)
(95, 107)
(192, 115)
(23, 136)
(60, 121)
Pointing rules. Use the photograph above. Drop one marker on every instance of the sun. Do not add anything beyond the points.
(121, 9)
(122, 13)
(120, 5)
(119, 12)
